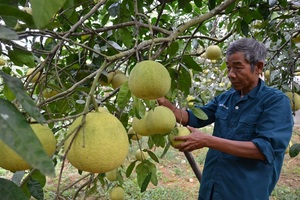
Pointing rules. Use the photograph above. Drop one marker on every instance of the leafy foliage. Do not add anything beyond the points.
(75, 43)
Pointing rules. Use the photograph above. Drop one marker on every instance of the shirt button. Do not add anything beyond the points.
(236, 107)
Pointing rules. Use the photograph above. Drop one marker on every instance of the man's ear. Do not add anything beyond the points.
(259, 67)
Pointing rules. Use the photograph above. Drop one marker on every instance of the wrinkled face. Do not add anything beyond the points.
(240, 74)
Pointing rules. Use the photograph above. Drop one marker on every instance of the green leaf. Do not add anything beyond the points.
(11, 14)
(152, 155)
(198, 112)
(244, 28)
(166, 149)
(35, 188)
(146, 182)
(184, 80)
(8, 93)
(198, 3)
(158, 139)
(138, 107)
(8, 34)
(69, 8)
(211, 4)
(173, 49)
(21, 57)
(44, 10)
(18, 135)
(124, 95)
(38, 176)
(130, 168)
(144, 173)
(9, 190)
(16, 86)
(263, 9)
(190, 63)
(152, 169)
(294, 150)
(125, 36)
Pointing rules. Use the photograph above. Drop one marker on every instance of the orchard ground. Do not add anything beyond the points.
(176, 179)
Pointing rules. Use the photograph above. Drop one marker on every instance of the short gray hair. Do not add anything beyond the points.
(254, 51)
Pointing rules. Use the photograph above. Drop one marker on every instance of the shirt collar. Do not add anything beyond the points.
(254, 92)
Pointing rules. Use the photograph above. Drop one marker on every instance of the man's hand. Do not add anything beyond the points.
(196, 140)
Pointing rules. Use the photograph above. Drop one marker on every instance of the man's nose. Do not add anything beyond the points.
(231, 73)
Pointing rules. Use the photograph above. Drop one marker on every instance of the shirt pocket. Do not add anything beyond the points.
(221, 122)
(221, 113)
(246, 128)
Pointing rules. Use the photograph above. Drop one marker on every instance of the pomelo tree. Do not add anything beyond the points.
(73, 46)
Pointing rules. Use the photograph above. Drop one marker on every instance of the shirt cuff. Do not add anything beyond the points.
(265, 148)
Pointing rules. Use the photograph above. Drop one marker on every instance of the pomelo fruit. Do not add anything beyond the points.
(178, 131)
(10, 160)
(213, 52)
(149, 80)
(100, 145)
(296, 104)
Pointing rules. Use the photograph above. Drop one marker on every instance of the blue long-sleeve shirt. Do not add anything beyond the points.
(264, 117)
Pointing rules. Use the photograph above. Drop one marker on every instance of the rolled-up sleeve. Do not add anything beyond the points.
(274, 127)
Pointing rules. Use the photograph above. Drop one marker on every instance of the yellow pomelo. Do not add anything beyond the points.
(161, 120)
(118, 80)
(10, 160)
(149, 80)
(117, 193)
(102, 109)
(213, 52)
(119, 71)
(141, 155)
(140, 127)
(267, 74)
(178, 131)
(296, 104)
(2, 61)
(108, 80)
(47, 93)
(112, 175)
(296, 40)
(133, 135)
(101, 144)
(35, 78)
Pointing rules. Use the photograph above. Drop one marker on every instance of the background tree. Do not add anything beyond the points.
(70, 47)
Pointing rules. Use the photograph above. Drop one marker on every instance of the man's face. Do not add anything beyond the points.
(240, 74)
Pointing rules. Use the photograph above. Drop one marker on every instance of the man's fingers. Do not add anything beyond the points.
(191, 128)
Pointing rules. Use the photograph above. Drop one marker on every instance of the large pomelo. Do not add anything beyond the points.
(10, 160)
(101, 144)
(161, 120)
(140, 127)
(149, 80)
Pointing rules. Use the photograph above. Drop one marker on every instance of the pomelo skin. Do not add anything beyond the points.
(213, 52)
(101, 144)
(161, 120)
(149, 80)
(10, 160)
(180, 131)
